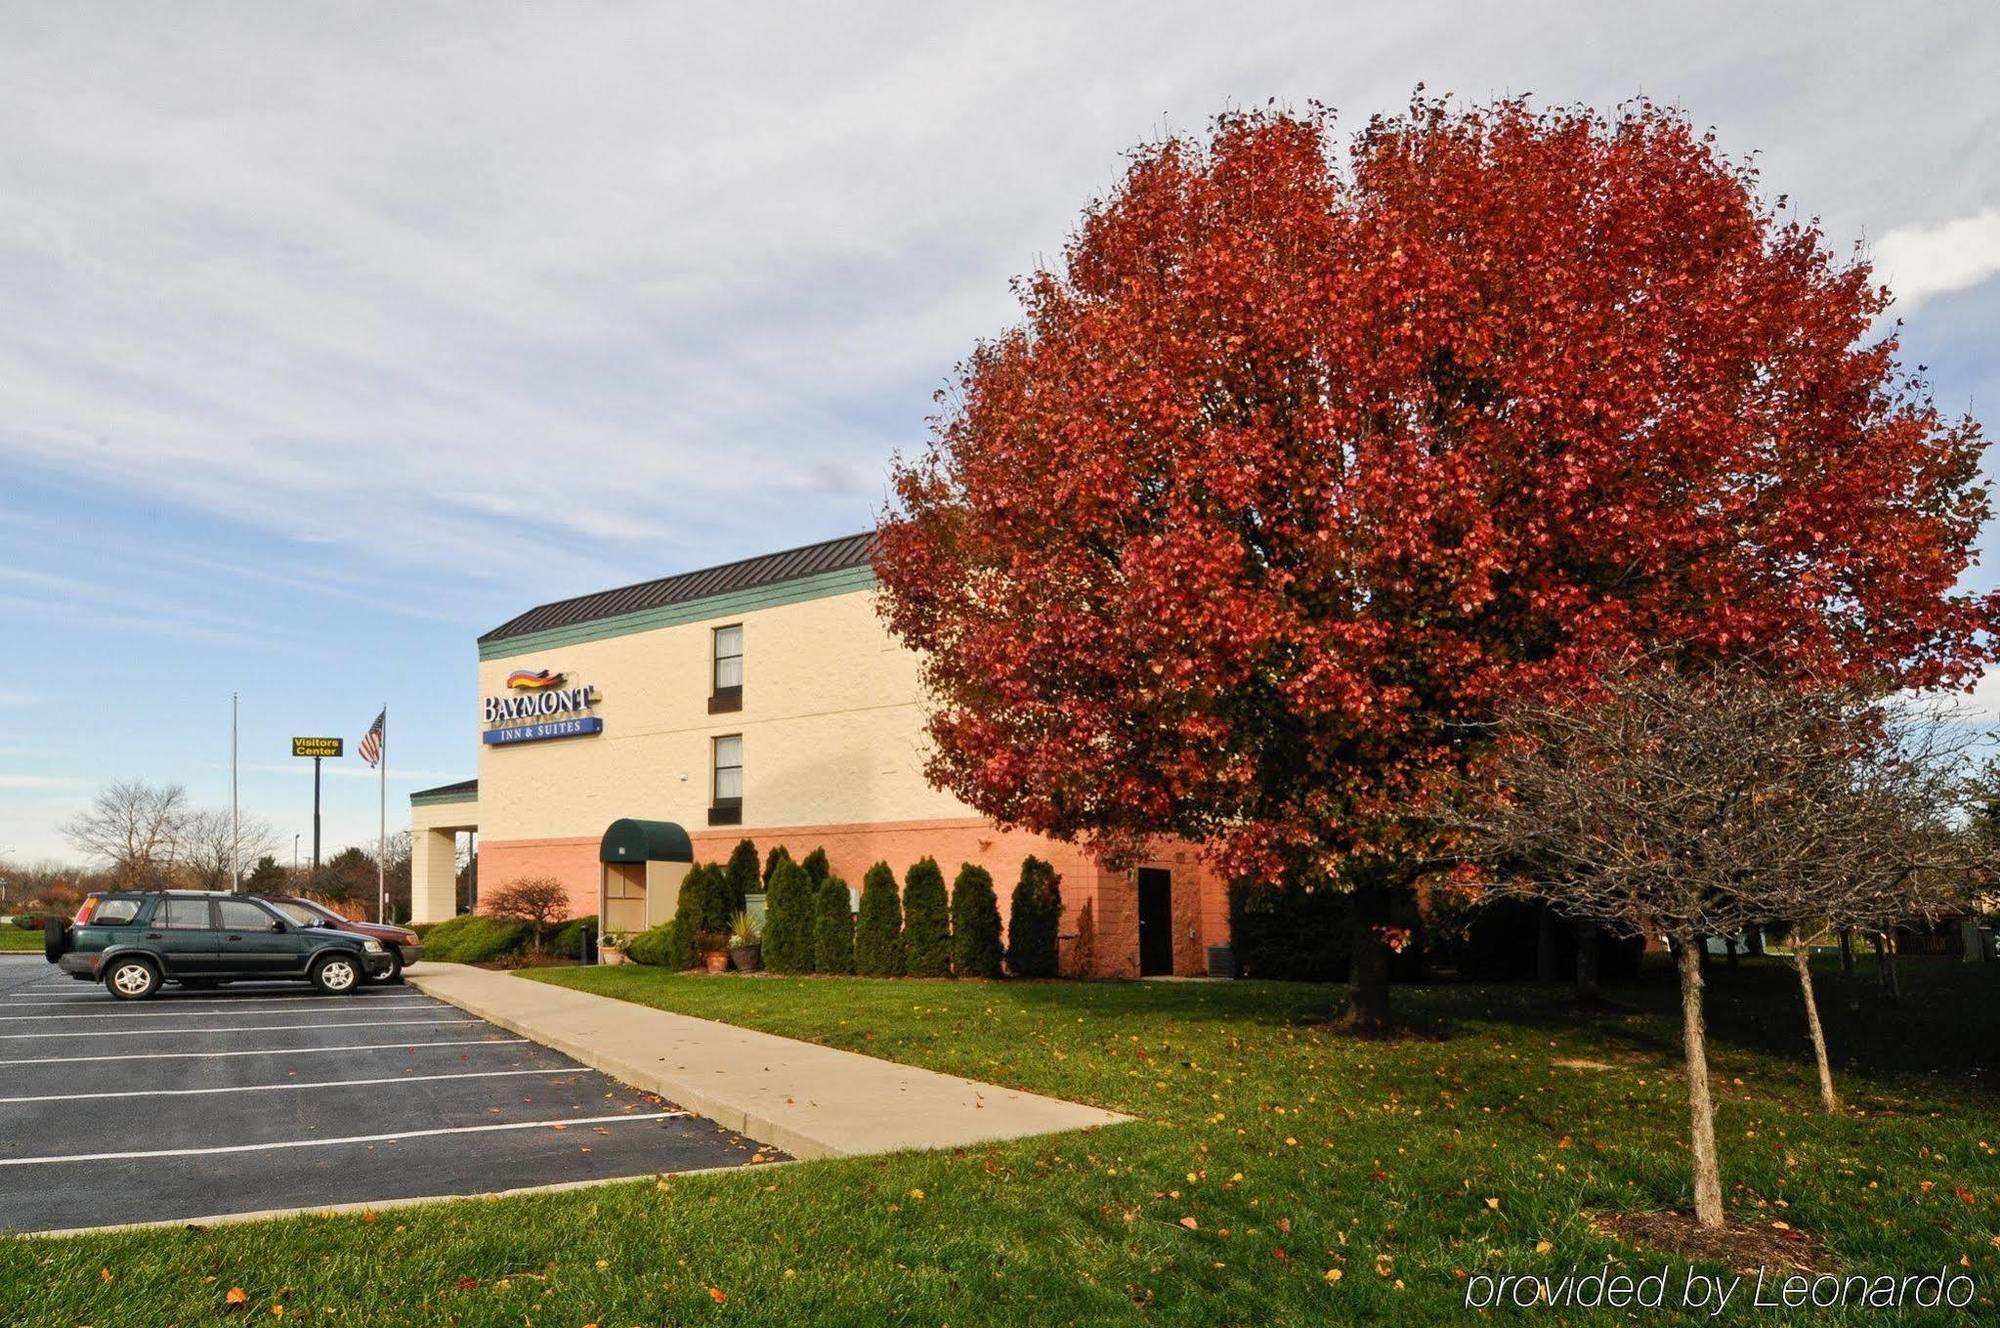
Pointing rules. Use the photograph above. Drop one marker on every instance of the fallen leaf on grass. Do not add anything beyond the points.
(718, 1295)
(236, 1296)
(1190, 1223)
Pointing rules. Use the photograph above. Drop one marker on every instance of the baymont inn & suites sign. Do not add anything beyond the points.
(539, 705)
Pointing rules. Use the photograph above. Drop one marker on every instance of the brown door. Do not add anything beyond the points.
(1156, 921)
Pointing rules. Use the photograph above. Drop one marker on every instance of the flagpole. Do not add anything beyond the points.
(382, 824)
(235, 816)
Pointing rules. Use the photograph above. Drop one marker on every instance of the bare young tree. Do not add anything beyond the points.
(210, 844)
(1875, 832)
(1673, 805)
(133, 827)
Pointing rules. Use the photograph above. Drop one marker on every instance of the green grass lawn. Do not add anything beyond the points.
(1269, 1154)
(14, 938)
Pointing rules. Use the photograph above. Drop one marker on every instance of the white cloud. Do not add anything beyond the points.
(1918, 262)
(11, 699)
(39, 782)
(619, 288)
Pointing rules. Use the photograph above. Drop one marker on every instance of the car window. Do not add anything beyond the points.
(184, 914)
(242, 915)
(114, 913)
(299, 913)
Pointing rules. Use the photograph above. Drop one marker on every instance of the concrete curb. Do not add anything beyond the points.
(811, 1101)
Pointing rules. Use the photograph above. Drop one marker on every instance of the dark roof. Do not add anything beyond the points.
(447, 790)
(766, 569)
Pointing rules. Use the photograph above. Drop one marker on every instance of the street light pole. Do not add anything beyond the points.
(295, 855)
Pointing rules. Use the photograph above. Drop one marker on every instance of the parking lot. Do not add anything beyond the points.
(271, 1096)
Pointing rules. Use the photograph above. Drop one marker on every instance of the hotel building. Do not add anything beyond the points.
(629, 733)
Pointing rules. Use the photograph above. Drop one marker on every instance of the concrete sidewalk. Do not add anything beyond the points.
(809, 1100)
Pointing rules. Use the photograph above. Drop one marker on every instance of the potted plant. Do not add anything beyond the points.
(611, 947)
(746, 944)
(714, 949)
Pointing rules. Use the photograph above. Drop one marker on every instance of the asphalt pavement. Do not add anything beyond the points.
(268, 1096)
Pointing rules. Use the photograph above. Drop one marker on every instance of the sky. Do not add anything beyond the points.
(334, 335)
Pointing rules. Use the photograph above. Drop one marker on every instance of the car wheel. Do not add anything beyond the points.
(132, 979)
(55, 939)
(336, 974)
(395, 973)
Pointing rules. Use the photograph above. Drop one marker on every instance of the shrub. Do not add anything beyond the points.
(476, 938)
(1034, 920)
(657, 946)
(778, 855)
(833, 928)
(701, 914)
(975, 924)
(422, 929)
(567, 943)
(540, 901)
(1293, 934)
(31, 921)
(816, 867)
(741, 876)
(788, 921)
(926, 922)
(1497, 937)
(878, 942)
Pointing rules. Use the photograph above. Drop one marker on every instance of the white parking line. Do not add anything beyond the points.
(92, 996)
(241, 1028)
(166, 1012)
(315, 1083)
(261, 1051)
(329, 1143)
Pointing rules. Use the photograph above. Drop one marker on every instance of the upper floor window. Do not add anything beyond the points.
(726, 798)
(727, 676)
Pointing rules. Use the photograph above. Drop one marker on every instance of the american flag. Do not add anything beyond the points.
(371, 741)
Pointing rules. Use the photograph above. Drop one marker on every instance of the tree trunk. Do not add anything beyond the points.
(1545, 945)
(1701, 1107)
(1847, 952)
(1730, 941)
(1586, 960)
(1803, 961)
(1753, 941)
(1891, 954)
(1368, 968)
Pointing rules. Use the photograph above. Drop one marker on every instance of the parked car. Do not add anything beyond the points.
(403, 945)
(134, 940)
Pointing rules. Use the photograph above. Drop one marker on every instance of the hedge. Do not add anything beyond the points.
(789, 914)
(655, 947)
(742, 877)
(833, 928)
(475, 938)
(878, 940)
(1034, 921)
(975, 924)
(1290, 933)
(567, 943)
(816, 867)
(926, 922)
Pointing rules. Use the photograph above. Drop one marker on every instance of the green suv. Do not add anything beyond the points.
(134, 940)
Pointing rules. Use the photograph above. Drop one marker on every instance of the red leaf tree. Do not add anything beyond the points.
(1294, 464)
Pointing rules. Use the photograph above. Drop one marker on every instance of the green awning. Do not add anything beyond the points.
(628, 840)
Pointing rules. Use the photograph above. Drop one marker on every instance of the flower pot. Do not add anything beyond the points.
(610, 954)
(747, 958)
(716, 961)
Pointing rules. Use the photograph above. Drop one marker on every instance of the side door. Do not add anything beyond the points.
(183, 932)
(255, 942)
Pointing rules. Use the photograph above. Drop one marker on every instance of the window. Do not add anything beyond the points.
(727, 675)
(184, 914)
(726, 804)
(302, 914)
(113, 913)
(242, 915)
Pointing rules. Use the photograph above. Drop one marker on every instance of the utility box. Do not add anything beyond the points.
(1221, 961)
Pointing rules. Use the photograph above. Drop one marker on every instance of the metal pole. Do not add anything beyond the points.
(295, 855)
(235, 815)
(315, 818)
(382, 823)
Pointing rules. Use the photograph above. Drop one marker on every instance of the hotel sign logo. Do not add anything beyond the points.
(540, 705)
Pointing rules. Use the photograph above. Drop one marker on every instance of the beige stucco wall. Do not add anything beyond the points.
(434, 831)
(832, 729)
